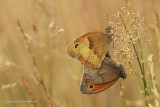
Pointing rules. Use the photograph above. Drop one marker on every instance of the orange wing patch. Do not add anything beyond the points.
(101, 87)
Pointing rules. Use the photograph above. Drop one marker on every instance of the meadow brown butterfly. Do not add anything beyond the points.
(97, 80)
(90, 49)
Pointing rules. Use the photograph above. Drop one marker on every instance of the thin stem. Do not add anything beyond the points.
(137, 57)
(141, 69)
(132, 67)
(125, 101)
(141, 55)
(132, 41)
(123, 22)
(138, 76)
(36, 70)
(144, 81)
(28, 90)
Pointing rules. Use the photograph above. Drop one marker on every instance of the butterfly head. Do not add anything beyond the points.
(109, 33)
(109, 28)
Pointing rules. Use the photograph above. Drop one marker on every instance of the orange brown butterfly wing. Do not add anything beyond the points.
(108, 72)
(97, 80)
(90, 88)
(91, 48)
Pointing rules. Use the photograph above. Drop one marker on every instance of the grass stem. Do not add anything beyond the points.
(145, 88)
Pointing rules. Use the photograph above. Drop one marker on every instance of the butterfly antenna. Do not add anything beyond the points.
(107, 19)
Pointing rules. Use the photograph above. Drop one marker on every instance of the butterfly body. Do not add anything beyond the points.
(91, 48)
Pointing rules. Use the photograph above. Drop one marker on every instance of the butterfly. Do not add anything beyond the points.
(97, 80)
(90, 49)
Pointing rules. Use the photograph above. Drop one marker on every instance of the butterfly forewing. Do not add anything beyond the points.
(90, 48)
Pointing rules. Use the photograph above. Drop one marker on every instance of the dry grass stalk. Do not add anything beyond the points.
(152, 73)
(27, 88)
(155, 11)
(7, 86)
(28, 46)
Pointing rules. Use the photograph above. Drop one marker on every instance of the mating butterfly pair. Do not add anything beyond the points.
(100, 71)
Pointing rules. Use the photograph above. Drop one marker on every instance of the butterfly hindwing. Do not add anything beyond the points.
(90, 88)
(101, 78)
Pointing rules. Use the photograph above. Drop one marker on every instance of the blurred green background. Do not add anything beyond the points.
(44, 21)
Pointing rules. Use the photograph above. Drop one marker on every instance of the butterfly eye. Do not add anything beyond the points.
(76, 45)
(91, 86)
